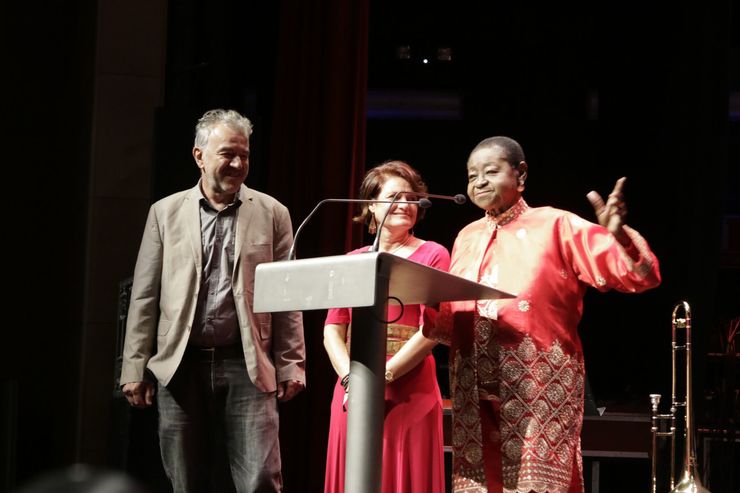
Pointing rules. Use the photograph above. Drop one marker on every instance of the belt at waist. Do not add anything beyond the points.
(234, 351)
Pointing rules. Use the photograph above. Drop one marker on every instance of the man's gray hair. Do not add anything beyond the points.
(211, 118)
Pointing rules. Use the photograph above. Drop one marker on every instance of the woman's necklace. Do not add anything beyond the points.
(403, 244)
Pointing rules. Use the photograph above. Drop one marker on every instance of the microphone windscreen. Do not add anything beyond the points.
(460, 199)
(425, 203)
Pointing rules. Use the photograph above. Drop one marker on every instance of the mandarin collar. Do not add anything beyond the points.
(508, 215)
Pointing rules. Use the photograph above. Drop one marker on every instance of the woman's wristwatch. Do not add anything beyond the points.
(388, 376)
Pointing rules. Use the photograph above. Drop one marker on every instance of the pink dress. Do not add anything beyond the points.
(517, 368)
(413, 456)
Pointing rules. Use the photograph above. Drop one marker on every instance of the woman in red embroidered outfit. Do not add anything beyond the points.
(517, 368)
(413, 458)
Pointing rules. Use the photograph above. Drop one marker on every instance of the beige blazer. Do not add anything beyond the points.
(166, 282)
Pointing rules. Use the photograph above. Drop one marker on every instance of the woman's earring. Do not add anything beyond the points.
(373, 226)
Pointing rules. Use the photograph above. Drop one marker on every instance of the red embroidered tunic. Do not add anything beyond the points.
(517, 372)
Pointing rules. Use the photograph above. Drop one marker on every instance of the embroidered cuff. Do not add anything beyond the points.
(637, 254)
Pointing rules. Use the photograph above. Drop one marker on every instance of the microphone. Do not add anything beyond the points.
(459, 199)
(423, 203)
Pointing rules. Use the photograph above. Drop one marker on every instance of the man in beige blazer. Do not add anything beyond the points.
(218, 368)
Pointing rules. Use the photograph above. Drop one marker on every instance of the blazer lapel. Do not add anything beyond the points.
(244, 217)
(192, 219)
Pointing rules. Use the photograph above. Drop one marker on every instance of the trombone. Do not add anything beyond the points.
(689, 481)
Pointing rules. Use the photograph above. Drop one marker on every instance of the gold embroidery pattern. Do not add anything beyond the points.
(469, 482)
(397, 336)
(486, 353)
(487, 308)
(507, 216)
(469, 473)
(474, 378)
(541, 415)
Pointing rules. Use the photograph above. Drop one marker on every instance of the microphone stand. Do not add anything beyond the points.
(291, 253)
(376, 242)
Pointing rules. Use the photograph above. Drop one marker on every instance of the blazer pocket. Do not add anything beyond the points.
(258, 253)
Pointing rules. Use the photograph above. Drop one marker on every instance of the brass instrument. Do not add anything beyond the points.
(689, 481)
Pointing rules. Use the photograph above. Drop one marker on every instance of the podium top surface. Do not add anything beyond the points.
(346, 281)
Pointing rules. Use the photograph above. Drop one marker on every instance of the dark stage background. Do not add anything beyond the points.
(104, 97)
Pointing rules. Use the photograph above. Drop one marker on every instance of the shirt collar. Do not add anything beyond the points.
(205, 203)
(508, 215)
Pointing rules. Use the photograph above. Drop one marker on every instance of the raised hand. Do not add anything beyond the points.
(612, 213)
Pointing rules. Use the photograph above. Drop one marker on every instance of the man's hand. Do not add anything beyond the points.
(611, 215)
(288, 389)
(139, 394)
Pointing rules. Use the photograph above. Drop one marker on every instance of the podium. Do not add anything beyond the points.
(366, 283)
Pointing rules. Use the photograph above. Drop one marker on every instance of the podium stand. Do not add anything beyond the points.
(363, 282)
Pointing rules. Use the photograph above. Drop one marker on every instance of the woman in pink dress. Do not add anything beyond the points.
(413, 458)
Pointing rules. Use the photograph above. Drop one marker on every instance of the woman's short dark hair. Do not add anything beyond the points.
(376, 177)
(512, 149)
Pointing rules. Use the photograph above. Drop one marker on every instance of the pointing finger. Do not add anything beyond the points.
(619, 186)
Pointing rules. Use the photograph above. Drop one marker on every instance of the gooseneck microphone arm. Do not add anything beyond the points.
(423, 203)
(376, 242)
(291, 253)
(459, 199)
